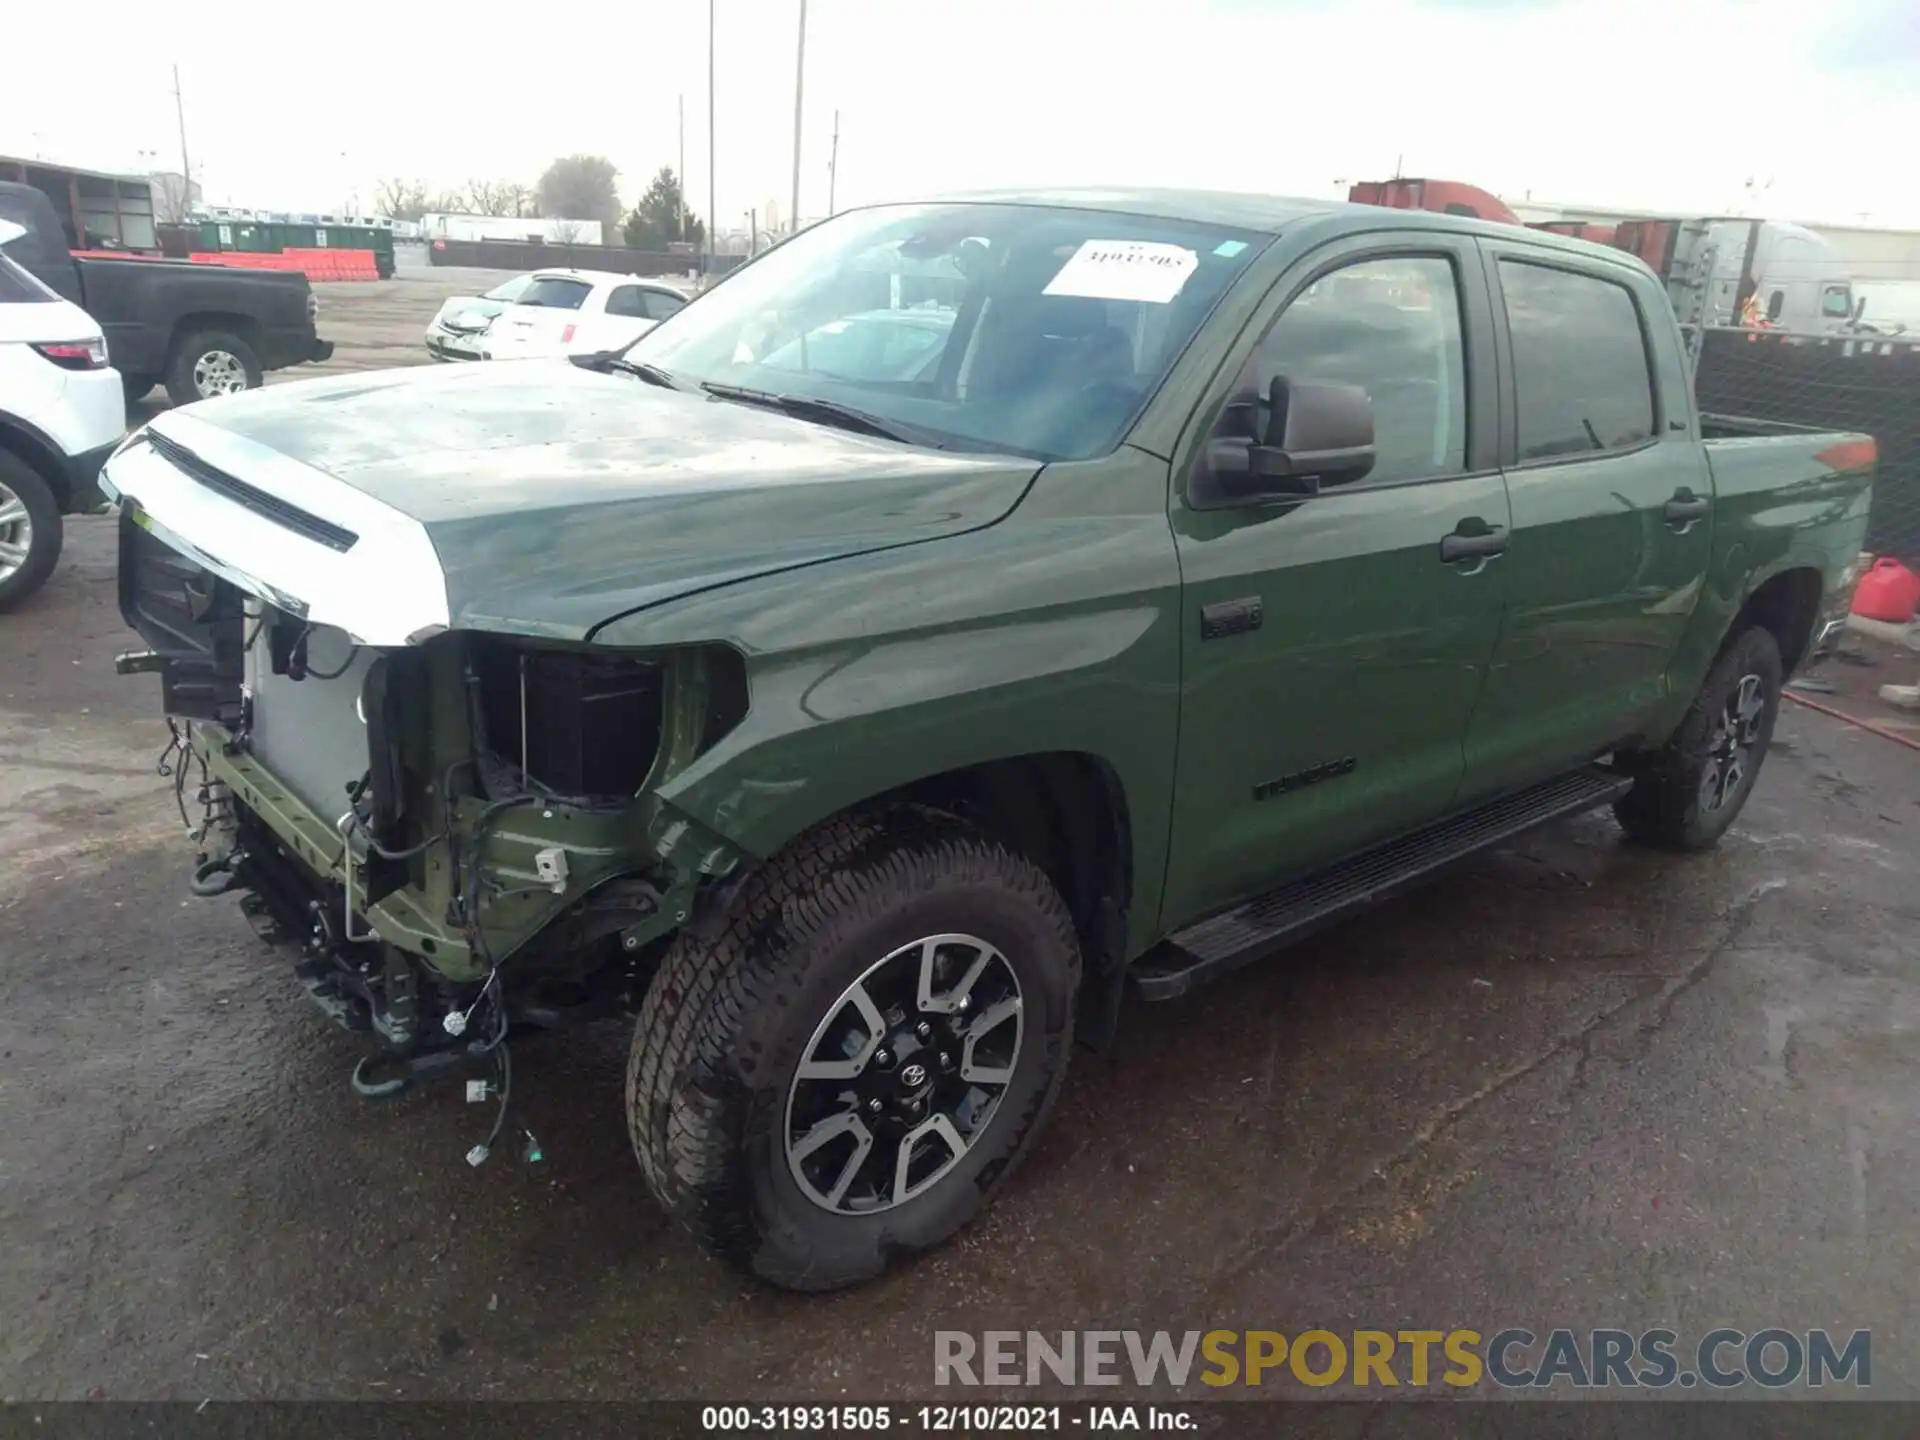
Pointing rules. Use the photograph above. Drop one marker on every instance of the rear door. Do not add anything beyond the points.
(1612, 514)
(626, 319)
(1332, 651)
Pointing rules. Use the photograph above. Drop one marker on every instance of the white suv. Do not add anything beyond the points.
(62, 411)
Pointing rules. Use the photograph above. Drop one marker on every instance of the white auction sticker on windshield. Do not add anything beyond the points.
(1145, 270)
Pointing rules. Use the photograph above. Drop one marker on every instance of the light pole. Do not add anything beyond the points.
(833, 165)
(799, 81)
(180, 114)
(713, 190)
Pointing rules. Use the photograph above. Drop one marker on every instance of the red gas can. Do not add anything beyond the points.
(1889, 591)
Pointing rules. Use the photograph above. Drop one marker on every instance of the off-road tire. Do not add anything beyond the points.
(730, 1012)
(43, 511)
(1665, 807)
(180, 384)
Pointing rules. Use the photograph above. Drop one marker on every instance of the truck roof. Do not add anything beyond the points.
(1270, 214)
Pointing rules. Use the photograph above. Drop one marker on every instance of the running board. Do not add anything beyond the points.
(1227, 941)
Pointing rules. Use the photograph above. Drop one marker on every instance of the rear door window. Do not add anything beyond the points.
(659, 304)
(1581, 378)
(17, 285)
(627, 300)
(553, 292)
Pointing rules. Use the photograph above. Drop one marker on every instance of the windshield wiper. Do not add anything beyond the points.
(826, 412)
(607, 361)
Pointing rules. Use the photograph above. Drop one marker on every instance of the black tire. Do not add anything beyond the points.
(729, 1018)
(43, 515)
(136, 387)
(1678, 800)
(182, 388)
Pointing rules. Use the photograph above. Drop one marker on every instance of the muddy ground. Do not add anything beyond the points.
(1571, 1084)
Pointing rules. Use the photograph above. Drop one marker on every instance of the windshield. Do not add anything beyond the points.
(1025, 329)
(551, 292)
(511, 291)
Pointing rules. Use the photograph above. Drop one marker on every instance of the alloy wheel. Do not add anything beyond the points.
(1730, 749)
(219, 372)
(904, 1074)
(16, 533)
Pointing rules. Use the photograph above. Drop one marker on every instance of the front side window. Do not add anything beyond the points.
(1392, 327)
(555, 292)
(1024, 329)
(1581, 378)
(1836, 302)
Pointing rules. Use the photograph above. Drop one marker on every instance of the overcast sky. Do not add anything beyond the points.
(1667, 104)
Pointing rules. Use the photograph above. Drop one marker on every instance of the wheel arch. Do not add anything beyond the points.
(244, 327)
(1787, 605)
(37, 453)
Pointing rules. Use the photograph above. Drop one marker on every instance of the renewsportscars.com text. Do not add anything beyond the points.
(1658, 1359)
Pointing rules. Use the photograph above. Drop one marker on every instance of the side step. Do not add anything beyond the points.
(1229, 940)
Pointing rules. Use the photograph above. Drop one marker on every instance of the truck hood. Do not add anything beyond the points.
(547, 498)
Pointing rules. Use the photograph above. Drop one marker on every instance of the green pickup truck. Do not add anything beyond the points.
(961, 613)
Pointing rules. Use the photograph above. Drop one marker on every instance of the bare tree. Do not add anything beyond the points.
(564, 232)
(401, 199)
(172, 205)
(496, 197)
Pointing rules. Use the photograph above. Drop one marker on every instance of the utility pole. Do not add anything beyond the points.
(799, 79)
(680, 175)
(833, 164)
(713, 190)
(180, 113)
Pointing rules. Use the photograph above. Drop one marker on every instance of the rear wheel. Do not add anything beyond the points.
(1686, 796)
(136, 387)
(849, 1069)
(210, 363)
(29, 530)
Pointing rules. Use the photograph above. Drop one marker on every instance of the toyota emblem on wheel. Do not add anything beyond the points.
(913, 1076)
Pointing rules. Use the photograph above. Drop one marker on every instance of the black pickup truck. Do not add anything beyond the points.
(203, 330)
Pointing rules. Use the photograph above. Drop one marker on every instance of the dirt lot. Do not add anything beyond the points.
(1573, 1084)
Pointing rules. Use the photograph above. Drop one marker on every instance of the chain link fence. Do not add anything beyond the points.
(1865, 383)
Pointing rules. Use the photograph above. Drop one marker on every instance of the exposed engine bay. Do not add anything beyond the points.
(457, 840)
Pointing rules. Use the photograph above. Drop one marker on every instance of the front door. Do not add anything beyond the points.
(1612, 519)
(1332, 653)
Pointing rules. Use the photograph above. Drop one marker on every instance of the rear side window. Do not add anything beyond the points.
(1579, 360)
(660, 304)
(553, 293)
(625, 300)
(17, 285)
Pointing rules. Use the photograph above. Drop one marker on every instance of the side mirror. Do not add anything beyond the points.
(1859, 307)
(1315, 435)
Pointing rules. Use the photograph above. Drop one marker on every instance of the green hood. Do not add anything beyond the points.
(558, 499)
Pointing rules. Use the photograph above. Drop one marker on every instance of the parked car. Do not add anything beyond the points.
(864, 738)
(577, 312)
(201, 330)
(875, 345)
(455, 331)
(61, 412)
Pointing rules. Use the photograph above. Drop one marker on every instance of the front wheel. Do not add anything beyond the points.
(849, 1069)
(1687, 795)
(211, 363)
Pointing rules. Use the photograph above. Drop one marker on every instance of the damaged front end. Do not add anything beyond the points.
(458, 836)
